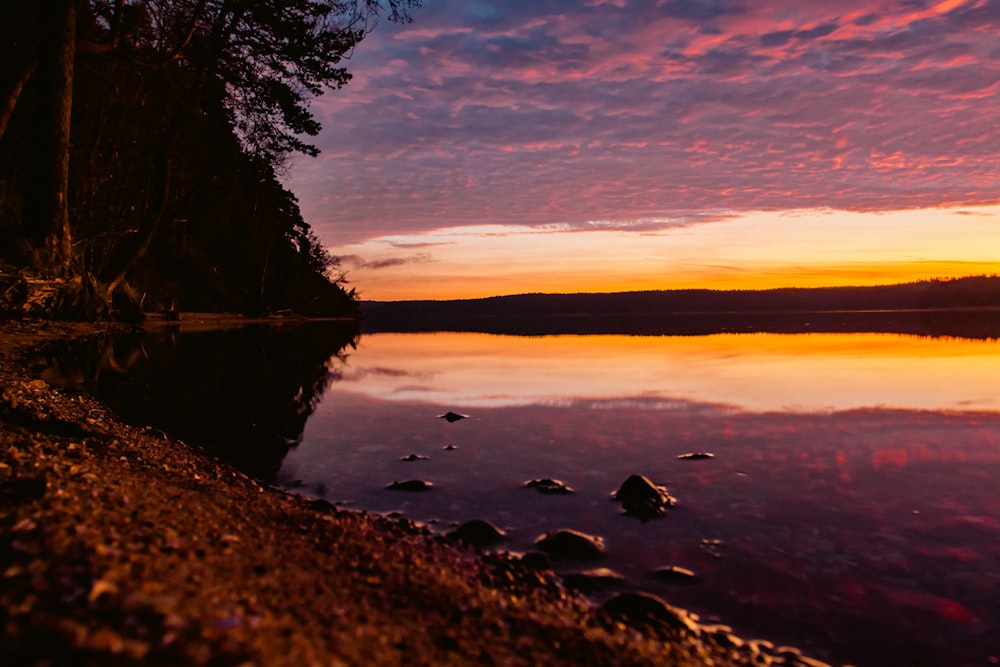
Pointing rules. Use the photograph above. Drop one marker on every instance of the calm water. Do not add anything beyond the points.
(852, 507)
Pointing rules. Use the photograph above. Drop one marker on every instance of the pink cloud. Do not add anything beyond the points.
(531, 113)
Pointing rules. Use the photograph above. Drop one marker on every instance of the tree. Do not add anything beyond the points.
(263, 60)
(46, 215)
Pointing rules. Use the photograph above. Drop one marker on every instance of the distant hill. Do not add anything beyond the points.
(961, 307)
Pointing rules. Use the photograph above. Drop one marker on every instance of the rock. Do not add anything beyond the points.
(548, 486)
(592, 580)
(696, 456)
(536, 560)
(410, 485)
(413, 457)
(571, 545)
(641, 498)
(322, 505)
(676, 574)
(648, 609)
(451, 417)
(477, 533)
(17, 490)
(449, 448)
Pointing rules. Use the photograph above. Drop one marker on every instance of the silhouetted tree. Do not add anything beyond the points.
(159, 73)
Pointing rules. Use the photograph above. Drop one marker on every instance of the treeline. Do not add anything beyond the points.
(968, 307)
(140, 143)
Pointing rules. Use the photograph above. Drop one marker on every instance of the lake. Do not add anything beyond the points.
(851, 507)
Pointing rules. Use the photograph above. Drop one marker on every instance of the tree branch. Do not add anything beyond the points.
(15, 94)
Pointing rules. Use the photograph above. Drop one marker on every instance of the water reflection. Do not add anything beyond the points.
(762, 371)
(244, 394)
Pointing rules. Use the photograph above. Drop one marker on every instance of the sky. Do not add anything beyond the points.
(493, 148)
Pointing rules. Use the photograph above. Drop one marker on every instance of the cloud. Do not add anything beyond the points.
(565, 113)
(358, 262)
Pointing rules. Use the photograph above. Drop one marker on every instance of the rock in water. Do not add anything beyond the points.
(548, 485)
(413, 457)
(451, 417)
(477, 533)
(676, 574)
(589, 581)
(641, 498)
(696, 456)
(410, 485)
(571, 545)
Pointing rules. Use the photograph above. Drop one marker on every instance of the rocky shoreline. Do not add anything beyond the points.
(119, 546)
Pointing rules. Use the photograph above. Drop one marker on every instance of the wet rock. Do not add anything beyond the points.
(451, 417)
(477, 533)
(571, 545)
(546, 485)
(410, 485)
(696, 456)
(641, 498)
(449, 448)
(589, 581)
(413, 457)
(639, 608)
(676, 574)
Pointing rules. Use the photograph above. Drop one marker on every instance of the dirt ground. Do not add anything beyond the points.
(121, 547)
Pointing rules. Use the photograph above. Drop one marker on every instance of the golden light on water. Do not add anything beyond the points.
(746, 371)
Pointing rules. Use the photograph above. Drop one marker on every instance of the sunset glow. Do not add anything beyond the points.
(755, 251)
(497, 148)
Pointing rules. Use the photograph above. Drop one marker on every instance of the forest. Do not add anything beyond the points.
(966, 307)
(141, 144)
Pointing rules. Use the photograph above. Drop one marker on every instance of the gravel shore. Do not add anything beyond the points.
(119, 546)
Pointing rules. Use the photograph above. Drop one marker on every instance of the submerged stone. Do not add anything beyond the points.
(410, 485)
(547, 485)
(452, 416)
(413, 457)
(713, 547)
(641, 498)
(477, 533)
(571, 545)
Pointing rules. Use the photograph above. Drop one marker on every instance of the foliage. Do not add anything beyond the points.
(183, 112)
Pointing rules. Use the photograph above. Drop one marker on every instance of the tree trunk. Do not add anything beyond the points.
(46, 220)
(157, 211)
